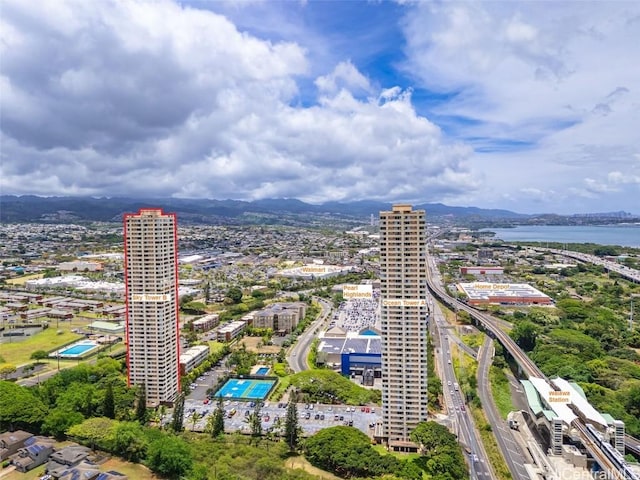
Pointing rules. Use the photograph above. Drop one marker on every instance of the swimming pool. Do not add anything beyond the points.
(262, 371)
(76, 350)
(245, 388)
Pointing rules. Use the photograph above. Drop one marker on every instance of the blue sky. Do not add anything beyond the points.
(529, 106)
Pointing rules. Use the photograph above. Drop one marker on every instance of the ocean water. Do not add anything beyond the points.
(624, 235)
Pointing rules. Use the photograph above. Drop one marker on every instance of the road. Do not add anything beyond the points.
(299, 352)
(506, 442)
(459, 416)
(627, 272)
(530, 369)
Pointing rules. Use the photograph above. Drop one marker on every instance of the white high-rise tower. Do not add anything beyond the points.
(151, 279)
(404, 317)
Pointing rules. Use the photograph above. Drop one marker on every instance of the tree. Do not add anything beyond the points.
(234, 294)
(109, 403)
(195, 416)
(39, 355)
(442, 457)
(207, 292)
(525, 334)
(79, 397)
(95, 432)
(215, 424)
(7, 370)
(19, 407)
(255, 422)
(178, 414)
(194, 308)
(291, 426)
(130, 441)
(141, 404)
(347, 452)
(58, 421)
(169, 456)
(431, 435)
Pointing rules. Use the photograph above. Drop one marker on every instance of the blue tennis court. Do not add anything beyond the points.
(245, 388)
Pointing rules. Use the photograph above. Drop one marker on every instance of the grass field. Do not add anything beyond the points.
(19, 353)
(501, 391)
(491, 445)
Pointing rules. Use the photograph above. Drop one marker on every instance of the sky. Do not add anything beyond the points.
(528, 106)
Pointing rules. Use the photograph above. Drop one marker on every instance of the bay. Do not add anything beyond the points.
(624, 235)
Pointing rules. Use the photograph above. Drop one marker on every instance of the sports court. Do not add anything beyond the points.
(244, 388)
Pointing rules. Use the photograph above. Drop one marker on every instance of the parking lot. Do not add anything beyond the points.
(311, 417)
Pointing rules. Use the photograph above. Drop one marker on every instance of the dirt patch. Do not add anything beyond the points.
(254, 344)
(301, 463)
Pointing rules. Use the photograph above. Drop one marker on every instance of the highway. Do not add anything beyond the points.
(503, 434)
(627, 272)
(530, 369)
(459, 416)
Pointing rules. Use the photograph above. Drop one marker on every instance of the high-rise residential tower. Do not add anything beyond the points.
(151, 283)
(404, 317)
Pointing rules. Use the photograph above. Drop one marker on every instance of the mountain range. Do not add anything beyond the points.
(286, 211)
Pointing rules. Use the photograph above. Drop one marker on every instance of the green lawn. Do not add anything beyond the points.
(401, 455)
(491, 445)
(19, 353)
(473, 340)
(501, 391)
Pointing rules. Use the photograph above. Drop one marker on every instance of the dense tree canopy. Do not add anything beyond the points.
(347, 452)
(525, 334)
(442, 458)
(169, 456)
(20, 408)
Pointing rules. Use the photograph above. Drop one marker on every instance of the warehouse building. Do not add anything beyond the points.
(482, 293)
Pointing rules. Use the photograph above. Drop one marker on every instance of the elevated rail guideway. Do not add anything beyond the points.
(604, 458)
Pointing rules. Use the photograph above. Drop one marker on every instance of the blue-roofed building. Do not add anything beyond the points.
(32, 456)
(83, 471)
(354, 353)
